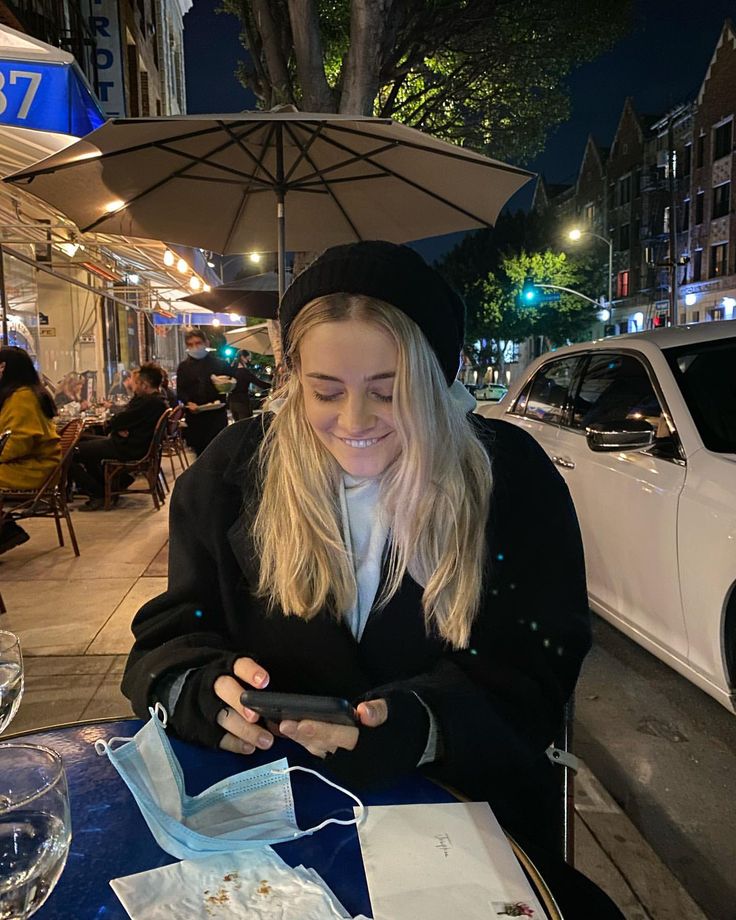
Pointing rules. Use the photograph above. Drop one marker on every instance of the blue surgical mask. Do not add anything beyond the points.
(250, 809)
(199, 352)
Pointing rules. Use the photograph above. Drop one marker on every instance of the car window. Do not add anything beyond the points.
(706, 375)
(616, 387)
(546, 396)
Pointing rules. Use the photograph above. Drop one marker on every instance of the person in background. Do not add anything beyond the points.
(194, 387)
(168, 392)
(131, 435)
(70, 391)
(372, 538)
(117, 387)
(241, 405)
(33, 449)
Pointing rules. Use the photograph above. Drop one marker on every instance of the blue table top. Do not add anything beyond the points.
(110, 838)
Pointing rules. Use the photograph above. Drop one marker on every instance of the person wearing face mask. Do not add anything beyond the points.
(33, 449)
(194, 388)
(373, 539)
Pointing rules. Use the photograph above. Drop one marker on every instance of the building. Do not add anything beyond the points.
(662, 196)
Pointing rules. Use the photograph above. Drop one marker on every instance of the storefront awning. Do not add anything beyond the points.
(43, 89)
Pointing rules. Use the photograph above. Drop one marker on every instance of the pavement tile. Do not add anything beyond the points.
(160, 565)
(60, 665)
(60, 617)
(114, 636)
(53, 700)
(108, 702)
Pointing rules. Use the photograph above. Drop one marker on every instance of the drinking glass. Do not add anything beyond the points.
(35, 827)
(11, 679)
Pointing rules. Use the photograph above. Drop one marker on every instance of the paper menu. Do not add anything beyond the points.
(428, 862)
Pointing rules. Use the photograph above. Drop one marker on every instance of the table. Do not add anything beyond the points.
(110, 838)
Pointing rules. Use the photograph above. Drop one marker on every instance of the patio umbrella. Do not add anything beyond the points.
(257, 295)
(253, 338)
(218, 181)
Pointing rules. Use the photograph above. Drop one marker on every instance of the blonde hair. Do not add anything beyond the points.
(434, 496)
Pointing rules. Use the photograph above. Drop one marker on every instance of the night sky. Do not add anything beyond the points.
(661, 63)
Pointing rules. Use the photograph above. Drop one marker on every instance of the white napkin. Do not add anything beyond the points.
(256, 884)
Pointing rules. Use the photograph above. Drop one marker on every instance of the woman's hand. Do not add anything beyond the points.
(323, 738)
(242, 734)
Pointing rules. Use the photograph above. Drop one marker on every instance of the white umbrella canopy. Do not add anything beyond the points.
(253, 338)
(271, 181)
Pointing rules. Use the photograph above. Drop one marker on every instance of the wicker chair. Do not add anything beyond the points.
(173, 445)
(50, 499)
(148, 466)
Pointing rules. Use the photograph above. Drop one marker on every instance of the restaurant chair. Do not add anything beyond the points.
(50, 500)
(148, 466)
(559, 752)
(173, 446)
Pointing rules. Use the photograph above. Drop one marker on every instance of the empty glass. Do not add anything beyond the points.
(11, 679)
(35, 827)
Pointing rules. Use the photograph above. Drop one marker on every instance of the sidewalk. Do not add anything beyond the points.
(73, 617)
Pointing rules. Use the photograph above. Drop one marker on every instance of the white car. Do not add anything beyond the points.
(643, 428)
(492, 392)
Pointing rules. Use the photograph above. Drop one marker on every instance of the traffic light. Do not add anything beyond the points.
(530, 293)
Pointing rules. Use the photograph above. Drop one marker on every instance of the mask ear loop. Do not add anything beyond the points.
(346, 823)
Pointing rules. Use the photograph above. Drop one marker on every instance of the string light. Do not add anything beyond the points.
(169, 258)
(182, 266)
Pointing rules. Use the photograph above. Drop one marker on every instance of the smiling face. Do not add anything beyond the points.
(347, 371)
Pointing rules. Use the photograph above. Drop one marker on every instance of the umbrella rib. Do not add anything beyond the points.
(309, 186)
(177, 174)
(357, 158)
(303, 149)
(32, 173)
(328, 189)
(247, 191)
(450, 154)
(257, 163)
(416, 185)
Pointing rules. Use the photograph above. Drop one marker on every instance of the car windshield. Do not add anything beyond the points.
(706, 374)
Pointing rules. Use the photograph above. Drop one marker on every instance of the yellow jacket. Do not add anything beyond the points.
(33, 449)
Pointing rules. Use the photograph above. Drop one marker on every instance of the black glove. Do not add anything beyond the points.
(384, 753)
(196, 709)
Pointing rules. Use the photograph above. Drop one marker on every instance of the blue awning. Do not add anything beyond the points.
(42, 88)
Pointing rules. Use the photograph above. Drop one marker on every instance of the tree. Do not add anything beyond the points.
(489, 74)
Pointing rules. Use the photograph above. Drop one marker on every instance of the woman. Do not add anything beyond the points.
(239, 401)
(70, 391)
(33, 449)
(372, 540)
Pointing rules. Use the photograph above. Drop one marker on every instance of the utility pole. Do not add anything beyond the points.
(673, 222)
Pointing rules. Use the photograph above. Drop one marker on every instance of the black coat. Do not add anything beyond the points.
(498, 704)
(139, 419)
(193, 383)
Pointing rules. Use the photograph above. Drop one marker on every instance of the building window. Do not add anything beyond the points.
(722, 141)
(622, 284)
(700, 152)
(637, 182)
(687, 160)
(721, 200)
(666, 220)
(624, 190)
(590, 214)
(718, 259)
(624, 237)
(698, 265)
(699, 205)
(685, 223)
(683, 318)
(716, 313)
(695, 316)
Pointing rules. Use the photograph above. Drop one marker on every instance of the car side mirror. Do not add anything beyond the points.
(620, 434)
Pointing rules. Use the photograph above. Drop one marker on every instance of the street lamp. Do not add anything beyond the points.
(576, 234)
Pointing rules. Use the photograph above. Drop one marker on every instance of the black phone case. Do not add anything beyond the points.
(297, 706)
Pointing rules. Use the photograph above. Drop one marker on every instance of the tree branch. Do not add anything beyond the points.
(279, 81)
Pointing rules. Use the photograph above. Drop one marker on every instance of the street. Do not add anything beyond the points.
(667, 754)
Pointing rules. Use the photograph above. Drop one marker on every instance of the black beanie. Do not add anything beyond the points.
(395, 274)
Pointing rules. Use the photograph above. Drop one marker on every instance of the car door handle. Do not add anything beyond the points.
(563, 462)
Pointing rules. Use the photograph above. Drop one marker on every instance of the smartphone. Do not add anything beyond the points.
(297, 706)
